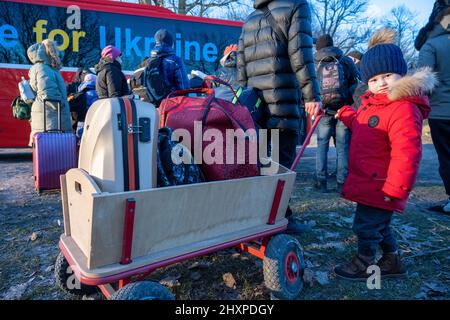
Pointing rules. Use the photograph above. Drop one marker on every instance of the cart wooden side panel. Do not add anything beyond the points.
(78, 201)
(203, 215)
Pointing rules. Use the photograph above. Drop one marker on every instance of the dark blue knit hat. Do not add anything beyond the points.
(163, 36)
(382, 58)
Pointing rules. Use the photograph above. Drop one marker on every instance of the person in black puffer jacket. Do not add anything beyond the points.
(275, 56)
(111, 82)
(283, 72)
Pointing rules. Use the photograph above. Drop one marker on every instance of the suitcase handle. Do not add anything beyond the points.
(208, 91)
(164, 110)
(58, 104)
(225, 112)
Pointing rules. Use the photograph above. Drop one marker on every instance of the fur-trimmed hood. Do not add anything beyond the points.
(413, 88)
(422, 82)
(36, 53)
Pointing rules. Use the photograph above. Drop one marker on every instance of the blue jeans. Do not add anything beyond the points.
(372, 227)
(327, 126)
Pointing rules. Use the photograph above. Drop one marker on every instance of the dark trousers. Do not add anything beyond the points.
(372, 227)
(440, 133)
(288, 144)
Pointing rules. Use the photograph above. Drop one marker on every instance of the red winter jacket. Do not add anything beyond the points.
(386, 145)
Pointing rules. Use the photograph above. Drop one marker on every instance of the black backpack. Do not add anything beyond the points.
(149, 82)
(170, 173)
(332, 83)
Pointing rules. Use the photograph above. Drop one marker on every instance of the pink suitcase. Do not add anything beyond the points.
(54, 152)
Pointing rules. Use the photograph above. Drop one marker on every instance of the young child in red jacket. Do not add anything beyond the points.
(385, 152)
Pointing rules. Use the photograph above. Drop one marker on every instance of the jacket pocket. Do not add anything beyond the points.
(374, 171)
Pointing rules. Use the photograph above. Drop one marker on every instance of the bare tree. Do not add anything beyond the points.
(344, 20)
(404, 22)
(203, 8)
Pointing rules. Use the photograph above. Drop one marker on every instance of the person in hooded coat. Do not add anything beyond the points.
(111, 81)
(47, 82)
(435, 54)
(438, 7)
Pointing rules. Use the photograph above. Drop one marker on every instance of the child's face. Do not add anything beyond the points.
(382, 82)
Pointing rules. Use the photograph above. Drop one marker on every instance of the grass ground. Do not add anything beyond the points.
(26, 270)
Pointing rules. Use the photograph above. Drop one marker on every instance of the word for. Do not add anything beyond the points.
(9, 36)
(124, 40)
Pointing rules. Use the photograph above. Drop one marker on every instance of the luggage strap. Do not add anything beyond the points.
(128, 126)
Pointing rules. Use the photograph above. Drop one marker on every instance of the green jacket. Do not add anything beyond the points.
(48, 83)
(434, 54)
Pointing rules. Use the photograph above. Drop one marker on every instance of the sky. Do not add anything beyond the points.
(379, 8)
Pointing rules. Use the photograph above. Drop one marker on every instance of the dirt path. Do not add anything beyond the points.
(30, 226)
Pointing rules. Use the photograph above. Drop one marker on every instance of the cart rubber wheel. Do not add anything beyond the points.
(66, 279)
(143, 290)
(283, 267)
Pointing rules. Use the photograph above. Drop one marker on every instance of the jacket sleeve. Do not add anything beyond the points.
(114, 84)
(32, 74)
(181, 76)
(241, 72)
(427, 56)
(41, 81)
(405, 137)
(300, 44)
(347, 115)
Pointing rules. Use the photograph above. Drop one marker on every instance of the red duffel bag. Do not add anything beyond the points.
(208, 120)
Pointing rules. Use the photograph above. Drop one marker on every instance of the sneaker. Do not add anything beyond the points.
(322, 186)
(355, 269)
(391, 265)
(294, 226)
(442, 208)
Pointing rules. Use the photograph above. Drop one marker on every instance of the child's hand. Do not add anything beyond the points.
(336, 116)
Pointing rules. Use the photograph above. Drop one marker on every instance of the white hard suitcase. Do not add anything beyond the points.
(118, 147)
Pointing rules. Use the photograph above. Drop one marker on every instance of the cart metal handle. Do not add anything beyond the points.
(307, 140)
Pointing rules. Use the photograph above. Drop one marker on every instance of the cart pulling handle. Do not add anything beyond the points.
(307, 139)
